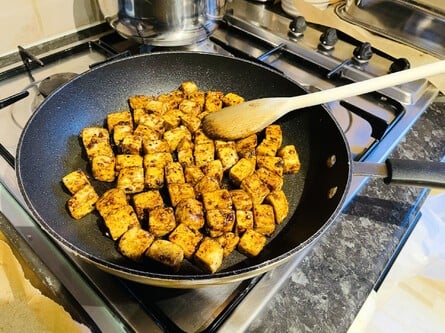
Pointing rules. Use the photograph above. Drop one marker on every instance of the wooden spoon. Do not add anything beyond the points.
(241, 120)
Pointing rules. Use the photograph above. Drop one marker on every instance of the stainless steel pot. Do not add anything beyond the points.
(163, 22)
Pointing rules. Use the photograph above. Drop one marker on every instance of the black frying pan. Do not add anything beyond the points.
(49, 149)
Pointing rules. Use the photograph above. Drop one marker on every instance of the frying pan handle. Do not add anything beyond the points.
(12, 99)
(415, 173)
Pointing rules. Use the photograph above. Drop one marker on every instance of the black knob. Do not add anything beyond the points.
(328, 38)
(297, 26)
(363, 53)
(399, 65)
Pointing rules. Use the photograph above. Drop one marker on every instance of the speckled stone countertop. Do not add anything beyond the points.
(328, 288)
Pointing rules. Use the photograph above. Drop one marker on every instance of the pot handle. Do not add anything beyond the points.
(415, 173)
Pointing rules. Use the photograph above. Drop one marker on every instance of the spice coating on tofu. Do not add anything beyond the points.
(178, 195)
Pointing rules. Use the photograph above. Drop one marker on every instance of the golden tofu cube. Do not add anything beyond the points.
(204, 153)
(213, 101)
(228, 241)
(139, 101)
(273, 180)
(214, 169)
(277, 199)
(185, 152)
(241, 199)
(120, 219)
(188, 239)
(174, 173)
(153, 121)
(274, 133)
(161, 221)
(192, 174)
(172, 118)
(190, 212)
(175, 135)
(145, 201)
(189, 87)
(126, 161)
(147, 133)
(154, 178)
(159, 160)
(120, 131)
(96, 141)
(131, 144)
(82, 202)
(119, 118)
(243, 221)
(155, 146)
(102, 168)
(226, 153)
(290, 157)
(192, 122)
(178, 192)
(264, 219)
(209, 255)
(232, 99)
(158, 107)
(201, 137)
(111, 200)
(131, 179)
(75, 180)
(198, 97)
(219, 221)
(134, 242)
(267, 147)
(172, 99)
(246, 147)
(272, 163)
(243, 168)
(255, 187)
(137, 114)
(190, 107)
(251, 243)
(166, 253)
(206, 184)
(219, 199)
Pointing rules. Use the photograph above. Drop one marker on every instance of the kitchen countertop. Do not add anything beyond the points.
(328, 288)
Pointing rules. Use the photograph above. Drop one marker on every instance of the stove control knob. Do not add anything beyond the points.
(328, 39)
(363, 53)
(297, 26)
(399, 65)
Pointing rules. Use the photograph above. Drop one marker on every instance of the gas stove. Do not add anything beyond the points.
(316, 57)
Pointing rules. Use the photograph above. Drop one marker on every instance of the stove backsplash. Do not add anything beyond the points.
(30, 22)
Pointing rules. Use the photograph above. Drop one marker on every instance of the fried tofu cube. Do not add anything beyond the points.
(209, 255)
(131, 144)
(246, 147)
(119, 118)
(190, 213)
(241, 199)
(191, 121)
(226, 153)
(219, 221)
(131, 179)
(201, 137)
(192, 174)
(110, 200)
(290, 157)
(277, 199)
(172, 118)
(251, 243)
(139, 101)
(120, 131)
(274, 133)
(198, 97)
(119, 220)
(255, 187)
(273, 180)
(146, 201)
(161, 221)
(128, 160)
(172, 99)
(175, 135)
(228, 241)
(214, 169)
(264, 219)
(155, 146)
(213, 101)
(174, 173)
(134, 242)
(147, 133)
(189, 87)
(243, 168)
(272, 163)
(102, 168)
(159, 160)
(219, 199)
(137, 114)
(204, 153)
(158, 107)
(166, 253)
(185, 152)
(267, 147)
(75, 180)
(178, 192)
(206, 184)
(96, 141)
(154, 178)
(82, 202)
(232, 99)
(188, 239)
(243, 221)
(153, 121)
(190, 108)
